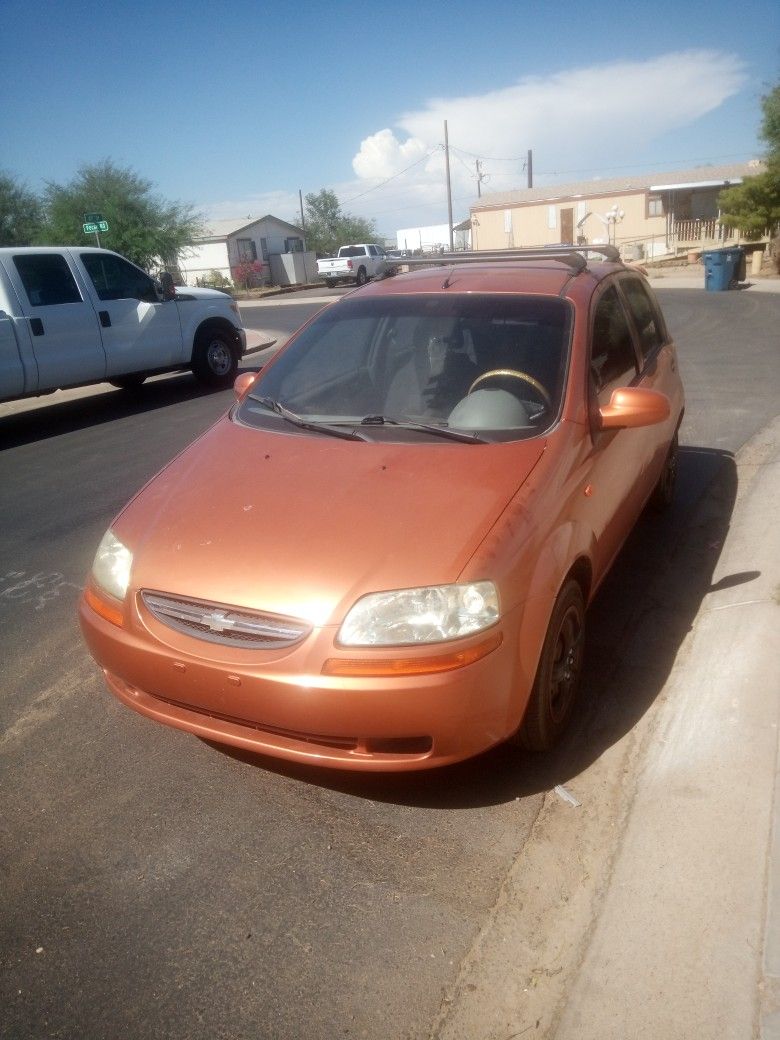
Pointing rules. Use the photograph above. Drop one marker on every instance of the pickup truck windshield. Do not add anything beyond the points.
(463, 362)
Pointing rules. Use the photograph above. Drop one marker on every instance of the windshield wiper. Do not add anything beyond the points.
(438, 431)
(306, 424)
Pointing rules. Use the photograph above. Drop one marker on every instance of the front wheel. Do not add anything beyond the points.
(214, 359)
(663, 492)
(557, 680)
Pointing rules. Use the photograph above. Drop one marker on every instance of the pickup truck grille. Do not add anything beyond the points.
(232, 626)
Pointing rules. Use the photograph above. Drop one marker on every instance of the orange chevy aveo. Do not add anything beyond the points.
(381, 556)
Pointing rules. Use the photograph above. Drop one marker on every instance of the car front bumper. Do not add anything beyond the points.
(277, 704)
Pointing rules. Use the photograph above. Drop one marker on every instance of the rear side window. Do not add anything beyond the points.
(47, 279)
(612, 359)
(645, 316)
(116, 279)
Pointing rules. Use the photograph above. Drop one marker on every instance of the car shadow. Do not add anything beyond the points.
(52, 417)
(636, 625)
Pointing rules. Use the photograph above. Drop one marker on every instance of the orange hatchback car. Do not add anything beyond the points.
(380, 558)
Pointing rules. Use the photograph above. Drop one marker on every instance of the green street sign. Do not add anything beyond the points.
(93, 227)
(102, 225)
(93, 218)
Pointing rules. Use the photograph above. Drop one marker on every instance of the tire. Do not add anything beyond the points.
(557, 679)
(663, 493)
(362, 277)
(130, 383)
(214, 358)
(331, 283)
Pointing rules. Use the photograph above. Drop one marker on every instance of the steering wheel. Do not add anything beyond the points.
(533, 383)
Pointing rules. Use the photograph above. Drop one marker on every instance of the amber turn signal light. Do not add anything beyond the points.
(110, 611)
(357, 667)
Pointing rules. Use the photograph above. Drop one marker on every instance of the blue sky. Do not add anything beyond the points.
(234, 106)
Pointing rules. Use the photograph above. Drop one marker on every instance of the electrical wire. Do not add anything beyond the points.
(381, 184)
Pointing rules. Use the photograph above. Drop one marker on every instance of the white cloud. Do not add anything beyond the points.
(590, 118)
(579, 118)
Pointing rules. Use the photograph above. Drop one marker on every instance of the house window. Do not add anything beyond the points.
(551, 217)
(655, 206)
(293, 245)
(247, 250)
(264, 248)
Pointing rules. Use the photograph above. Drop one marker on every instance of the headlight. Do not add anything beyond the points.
(427, 615)
(111, 569)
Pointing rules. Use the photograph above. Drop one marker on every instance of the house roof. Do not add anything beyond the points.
(214, 230)
(714, 176)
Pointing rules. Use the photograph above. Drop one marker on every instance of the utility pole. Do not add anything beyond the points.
(480, 178)
(449, 188)
(303, 222)
(530, 168)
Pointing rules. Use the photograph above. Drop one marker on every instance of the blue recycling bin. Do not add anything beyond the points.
(723, 268)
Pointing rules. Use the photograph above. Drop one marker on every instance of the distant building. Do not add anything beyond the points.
(654, 214)
(275, 246)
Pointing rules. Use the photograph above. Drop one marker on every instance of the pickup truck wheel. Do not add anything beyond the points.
(132, 382)
(558, 675)
(214, 361)
(331, 283)
(362, 277)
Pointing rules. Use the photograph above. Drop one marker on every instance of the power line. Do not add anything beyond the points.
(388, 179)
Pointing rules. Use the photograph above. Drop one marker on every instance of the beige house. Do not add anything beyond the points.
(647, 215)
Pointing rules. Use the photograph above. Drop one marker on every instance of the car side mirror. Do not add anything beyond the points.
(243, 384)
(167, 286)
(633, 406)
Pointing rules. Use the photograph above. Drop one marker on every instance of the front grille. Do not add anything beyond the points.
(231, 626)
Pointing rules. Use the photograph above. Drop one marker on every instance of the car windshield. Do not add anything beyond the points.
(400, 366)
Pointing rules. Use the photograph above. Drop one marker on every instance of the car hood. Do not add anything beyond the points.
(185, 292)
(303, 525)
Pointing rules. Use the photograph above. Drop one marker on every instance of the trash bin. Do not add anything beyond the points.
(723, 268)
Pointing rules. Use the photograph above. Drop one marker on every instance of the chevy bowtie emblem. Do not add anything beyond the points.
(218, 621)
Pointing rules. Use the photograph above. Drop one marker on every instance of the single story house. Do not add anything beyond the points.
(274, 247)
(647, 215)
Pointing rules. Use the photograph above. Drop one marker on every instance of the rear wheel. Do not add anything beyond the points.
(331, 283)
(663, 492)
(362, 277)
(558, 676)
(214, 359)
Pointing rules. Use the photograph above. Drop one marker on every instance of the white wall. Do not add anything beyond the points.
(198, 261)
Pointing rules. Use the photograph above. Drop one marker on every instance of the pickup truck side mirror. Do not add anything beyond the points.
(167, 286)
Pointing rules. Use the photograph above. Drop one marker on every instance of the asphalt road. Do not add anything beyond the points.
(154, 886)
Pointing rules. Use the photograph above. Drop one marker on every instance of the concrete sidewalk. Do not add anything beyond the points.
(680, 948)
(692, 277)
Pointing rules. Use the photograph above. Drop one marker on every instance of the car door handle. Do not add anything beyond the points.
(36, 326)
(105, 319)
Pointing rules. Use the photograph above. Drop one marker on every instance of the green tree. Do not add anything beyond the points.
(142, 226)
(754, 205)
(21, 213)
(328, 227)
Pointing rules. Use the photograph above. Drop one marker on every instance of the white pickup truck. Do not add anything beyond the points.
(353, 264)
(72, 315)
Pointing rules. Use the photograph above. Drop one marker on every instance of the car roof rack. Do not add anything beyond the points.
(574, 257)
